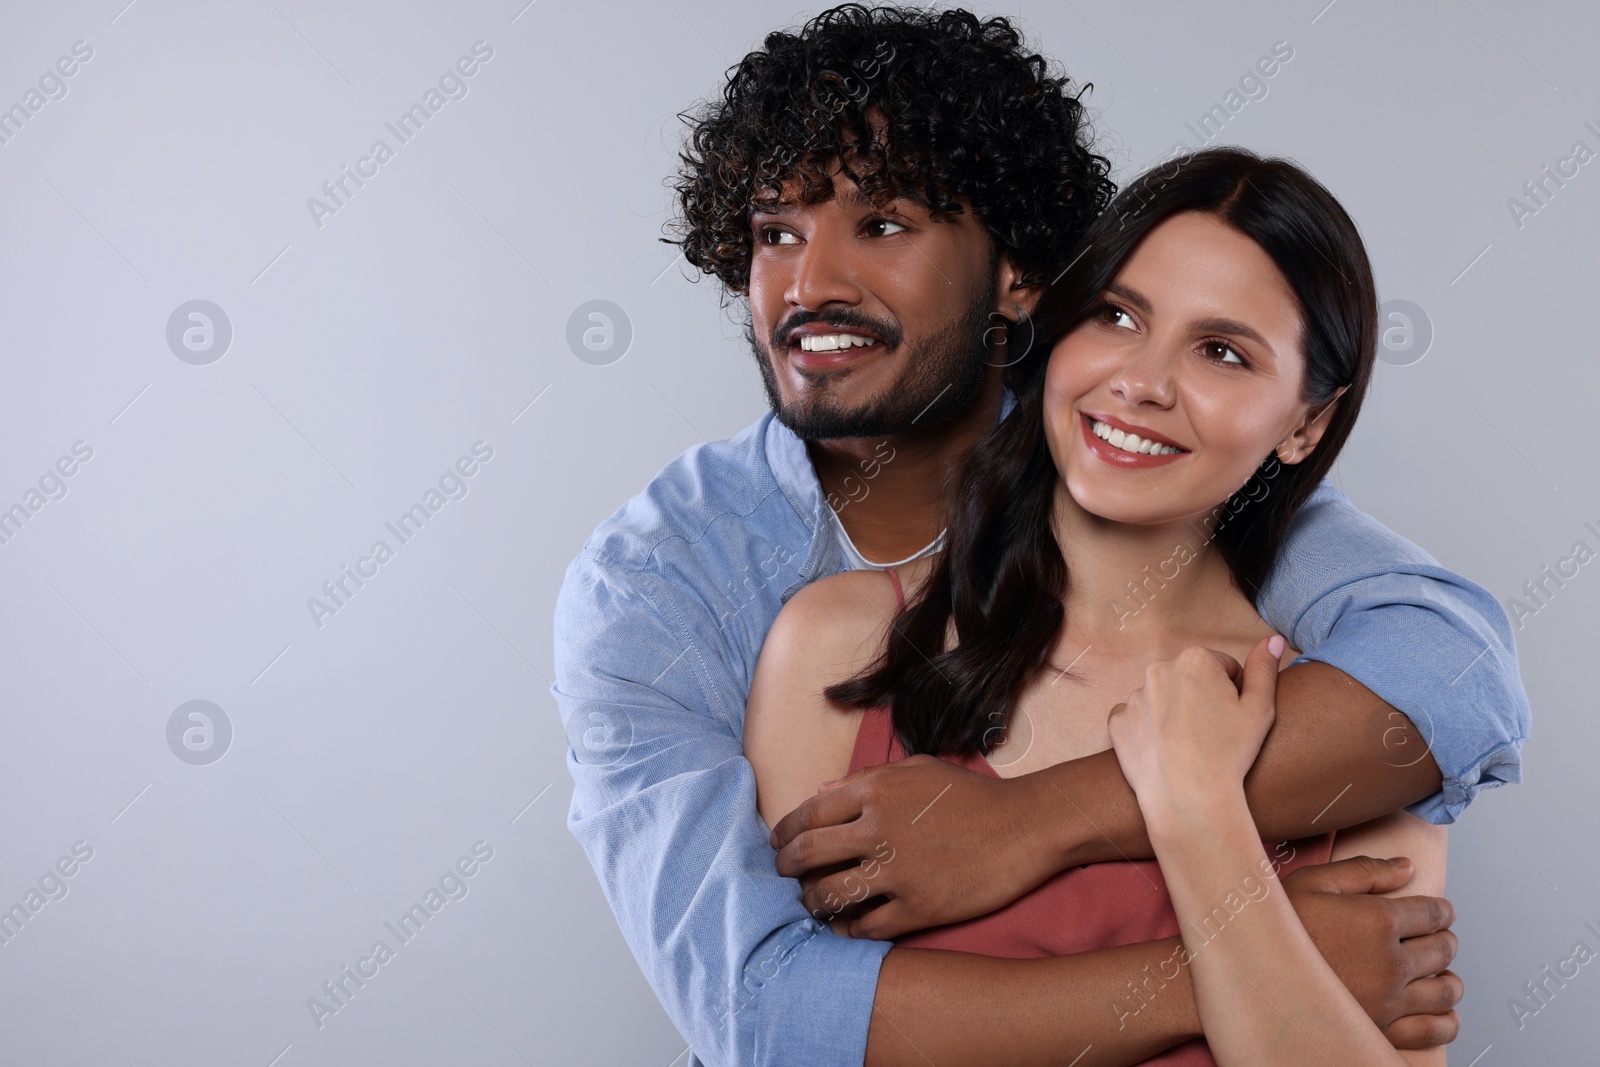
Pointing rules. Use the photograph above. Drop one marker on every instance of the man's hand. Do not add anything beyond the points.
(1390, 952)
(960, 841)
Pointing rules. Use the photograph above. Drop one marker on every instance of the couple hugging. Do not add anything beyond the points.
(1018, 690)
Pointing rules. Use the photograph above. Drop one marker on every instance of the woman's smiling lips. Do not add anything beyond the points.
(1119, 456)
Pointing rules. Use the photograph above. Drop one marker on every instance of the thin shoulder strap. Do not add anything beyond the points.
(899, 593)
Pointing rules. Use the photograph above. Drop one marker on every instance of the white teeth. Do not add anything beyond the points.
(832, 342)
(1129, 442)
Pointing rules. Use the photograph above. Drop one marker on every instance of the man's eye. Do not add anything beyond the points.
(876, 227)
(772, 236)
(1222, 352)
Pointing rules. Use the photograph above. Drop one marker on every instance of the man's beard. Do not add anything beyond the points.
(942, 376)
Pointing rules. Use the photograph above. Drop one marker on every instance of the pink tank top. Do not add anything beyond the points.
(1094, 906)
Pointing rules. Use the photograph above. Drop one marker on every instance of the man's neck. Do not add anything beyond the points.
(889, 491)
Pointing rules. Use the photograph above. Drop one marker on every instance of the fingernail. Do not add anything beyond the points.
(1401, 861)
(1277, 644)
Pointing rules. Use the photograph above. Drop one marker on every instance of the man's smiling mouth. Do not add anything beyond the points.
(834, 342)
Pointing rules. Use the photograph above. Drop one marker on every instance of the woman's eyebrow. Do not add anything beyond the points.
(1233, 326)
(1132, 296)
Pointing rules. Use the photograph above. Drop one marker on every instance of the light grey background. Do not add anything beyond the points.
(431, 312)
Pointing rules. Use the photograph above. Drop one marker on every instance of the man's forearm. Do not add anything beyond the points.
(982, 1010)
(1337, 756)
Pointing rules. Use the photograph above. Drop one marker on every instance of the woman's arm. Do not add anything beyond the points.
(1263, 991)
(1424, 844)
(794, 737)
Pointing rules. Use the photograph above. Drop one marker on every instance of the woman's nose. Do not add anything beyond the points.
(1145, 377)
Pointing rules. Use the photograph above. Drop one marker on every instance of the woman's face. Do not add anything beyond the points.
(1196, 351)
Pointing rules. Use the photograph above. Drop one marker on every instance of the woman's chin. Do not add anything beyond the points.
(1131, 498)
(1127, 505)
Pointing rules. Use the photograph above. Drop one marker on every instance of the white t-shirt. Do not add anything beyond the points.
(859, 562)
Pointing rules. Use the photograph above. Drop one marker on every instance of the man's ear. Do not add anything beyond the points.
(1303, 441)
(1009, 291)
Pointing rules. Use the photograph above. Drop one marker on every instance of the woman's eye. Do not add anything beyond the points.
(1112, 315)
(770, 236)
(1222, 352)
(875, 227)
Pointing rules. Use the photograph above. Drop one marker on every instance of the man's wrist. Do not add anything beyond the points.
(1056, 822)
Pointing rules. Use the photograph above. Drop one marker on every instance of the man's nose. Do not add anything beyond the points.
(823, 274)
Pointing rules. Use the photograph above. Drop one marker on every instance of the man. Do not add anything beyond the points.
(887, 190)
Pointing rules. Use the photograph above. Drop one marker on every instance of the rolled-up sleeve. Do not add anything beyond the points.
(664, 804)
(1349, 592)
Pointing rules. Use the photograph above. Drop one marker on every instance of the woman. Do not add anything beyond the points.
(1208, 353)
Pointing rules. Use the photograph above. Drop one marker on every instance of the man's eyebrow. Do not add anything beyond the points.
(854, 197)
(1233, 326)
(850, 198)
(773, 207)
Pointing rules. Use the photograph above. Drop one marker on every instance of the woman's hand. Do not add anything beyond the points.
(1264, 993)
(1189, 735)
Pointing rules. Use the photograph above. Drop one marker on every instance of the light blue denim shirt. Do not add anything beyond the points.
(657, 629)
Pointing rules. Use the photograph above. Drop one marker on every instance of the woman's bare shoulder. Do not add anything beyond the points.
(846, 616)
(794, 736)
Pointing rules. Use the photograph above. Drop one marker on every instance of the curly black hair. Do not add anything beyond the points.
(927, 105)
